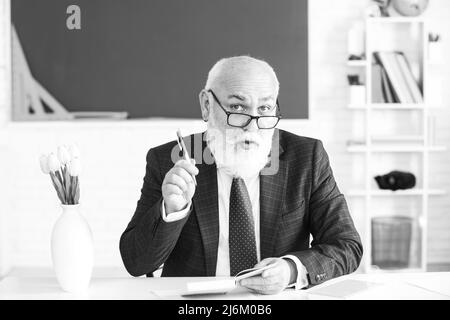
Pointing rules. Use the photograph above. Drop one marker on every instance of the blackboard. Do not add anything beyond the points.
(151, 57)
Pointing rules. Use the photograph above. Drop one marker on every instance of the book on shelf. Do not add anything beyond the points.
(378, 94)
(409, 77)
(388, 89)
(398, 84)
(390, 64)
(221, 285)
(382, 90)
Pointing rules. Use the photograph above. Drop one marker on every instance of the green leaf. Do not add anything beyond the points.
(67, 184)
(73, 188)
(77, 191)
(58, 188)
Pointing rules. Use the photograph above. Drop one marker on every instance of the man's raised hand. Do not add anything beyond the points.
(178, 186)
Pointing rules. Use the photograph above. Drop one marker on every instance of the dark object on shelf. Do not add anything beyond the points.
(391, 242)
(433, 37)
(396, 180)
(356, 58)
(353, 80)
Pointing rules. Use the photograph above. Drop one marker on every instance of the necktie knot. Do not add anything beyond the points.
(239, 184)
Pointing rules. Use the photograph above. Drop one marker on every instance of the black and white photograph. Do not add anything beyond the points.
(245, 150)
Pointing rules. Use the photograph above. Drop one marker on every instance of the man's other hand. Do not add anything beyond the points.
(271, 281)
(178, 186)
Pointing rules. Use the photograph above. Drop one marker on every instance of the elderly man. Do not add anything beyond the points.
(255, 204)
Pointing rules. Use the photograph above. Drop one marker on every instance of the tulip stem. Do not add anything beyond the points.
(61, 184)
(58, 187)
(66, 178)
(72, 188)
(76, 197)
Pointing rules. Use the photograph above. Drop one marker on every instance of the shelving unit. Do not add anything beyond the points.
(357, 63)
(391, 34)
(400, 193)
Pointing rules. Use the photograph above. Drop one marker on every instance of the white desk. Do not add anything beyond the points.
(410, 286)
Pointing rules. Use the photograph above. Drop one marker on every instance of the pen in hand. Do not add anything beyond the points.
(183, 149)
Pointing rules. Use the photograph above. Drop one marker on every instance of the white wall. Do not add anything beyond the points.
(113, 154)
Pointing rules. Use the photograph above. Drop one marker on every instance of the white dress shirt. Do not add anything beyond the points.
(224, 182)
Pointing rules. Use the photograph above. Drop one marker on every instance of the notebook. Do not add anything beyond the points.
(221, 285)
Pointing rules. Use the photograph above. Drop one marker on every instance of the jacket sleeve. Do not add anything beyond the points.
(148, 240)
(336, 248)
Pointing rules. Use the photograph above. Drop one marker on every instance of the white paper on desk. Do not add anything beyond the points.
(343, 289)
(166, 294)
(363, 290)
(398, 290)
(219, 286)
(433, 284)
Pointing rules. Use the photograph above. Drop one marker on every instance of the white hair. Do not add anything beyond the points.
(231, 62)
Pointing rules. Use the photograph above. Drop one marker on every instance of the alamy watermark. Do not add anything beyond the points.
(194, 147)
(73, 21)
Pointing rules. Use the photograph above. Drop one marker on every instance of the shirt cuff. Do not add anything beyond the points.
(175, 216)
(302, 278)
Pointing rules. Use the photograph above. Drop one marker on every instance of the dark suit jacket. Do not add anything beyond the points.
(302, 198)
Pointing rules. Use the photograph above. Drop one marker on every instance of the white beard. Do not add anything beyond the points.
(237, 158)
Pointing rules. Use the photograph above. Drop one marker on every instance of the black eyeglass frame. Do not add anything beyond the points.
(228, 113)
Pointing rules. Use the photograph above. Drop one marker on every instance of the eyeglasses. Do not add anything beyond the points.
(241, 120)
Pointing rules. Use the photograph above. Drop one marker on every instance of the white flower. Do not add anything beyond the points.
(74, 151)
(53, 163)
(44, 164)
(63, 155)
(75, 167)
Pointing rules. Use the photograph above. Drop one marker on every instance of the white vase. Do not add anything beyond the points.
(357, 95)
(435, 52)
(356, 40)
(72, 250)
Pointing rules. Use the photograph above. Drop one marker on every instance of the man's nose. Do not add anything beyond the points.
(252, 126)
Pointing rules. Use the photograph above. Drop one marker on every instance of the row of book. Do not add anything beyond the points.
(393, 80)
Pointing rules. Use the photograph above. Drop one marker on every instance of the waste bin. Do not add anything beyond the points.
(391, 242)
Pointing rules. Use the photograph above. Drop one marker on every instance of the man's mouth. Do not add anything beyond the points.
(247, 144)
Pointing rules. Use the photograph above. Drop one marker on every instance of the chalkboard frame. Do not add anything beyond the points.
(308, 100)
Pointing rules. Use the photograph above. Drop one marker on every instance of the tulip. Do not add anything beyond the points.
(75, 167)
(44, 164)
(53, 163)
(63, 155)
(74, 151)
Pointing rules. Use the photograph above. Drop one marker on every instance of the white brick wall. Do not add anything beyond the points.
(113, 154)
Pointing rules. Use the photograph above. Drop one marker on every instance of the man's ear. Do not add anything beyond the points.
(204, 105)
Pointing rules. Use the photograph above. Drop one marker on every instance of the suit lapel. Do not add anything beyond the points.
(206, 207)
(271, 197)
